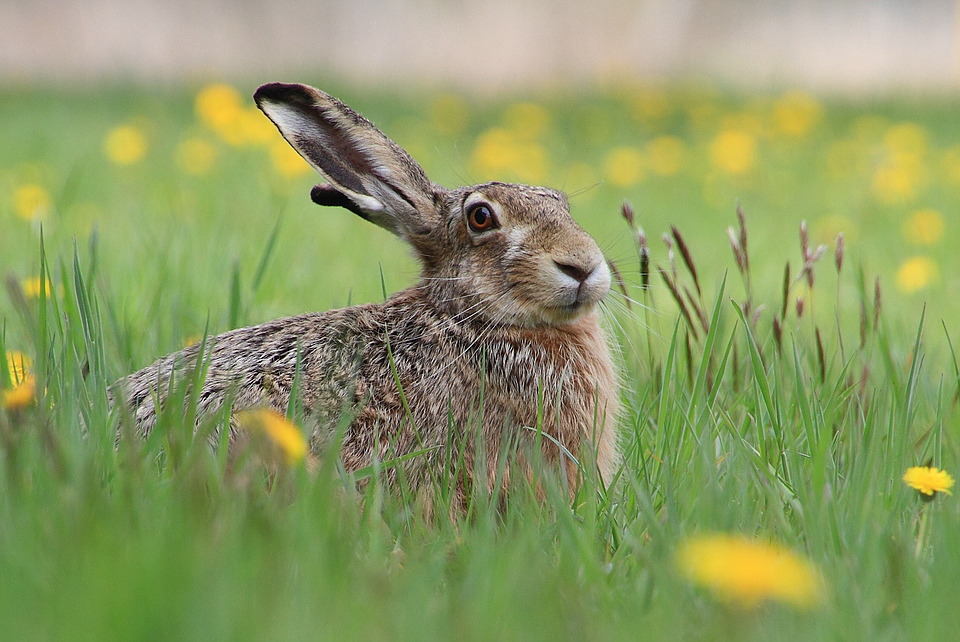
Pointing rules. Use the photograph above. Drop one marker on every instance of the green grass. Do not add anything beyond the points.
(722, 431)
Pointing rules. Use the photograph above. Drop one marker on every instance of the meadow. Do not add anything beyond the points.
(777, 384)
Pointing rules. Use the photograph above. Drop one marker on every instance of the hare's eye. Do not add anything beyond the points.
(480, 217)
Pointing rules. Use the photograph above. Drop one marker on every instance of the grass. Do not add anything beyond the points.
(801, 440)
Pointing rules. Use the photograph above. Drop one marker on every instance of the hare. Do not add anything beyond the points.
(498, 342)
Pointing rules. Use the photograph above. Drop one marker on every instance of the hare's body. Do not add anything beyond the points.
(501, 336)
(348, 358)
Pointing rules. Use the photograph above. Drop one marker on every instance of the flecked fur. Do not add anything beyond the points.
(495, 339)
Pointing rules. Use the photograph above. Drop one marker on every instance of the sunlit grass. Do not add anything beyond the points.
(771, 423)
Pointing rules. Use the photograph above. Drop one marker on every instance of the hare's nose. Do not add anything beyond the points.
(579, 273)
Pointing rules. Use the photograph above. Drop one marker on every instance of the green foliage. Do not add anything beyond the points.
(799, 436)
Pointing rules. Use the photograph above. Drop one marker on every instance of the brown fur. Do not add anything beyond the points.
(491, 343)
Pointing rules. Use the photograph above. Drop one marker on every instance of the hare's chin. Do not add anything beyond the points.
(563, 314)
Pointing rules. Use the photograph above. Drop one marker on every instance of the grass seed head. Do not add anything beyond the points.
(838, 254)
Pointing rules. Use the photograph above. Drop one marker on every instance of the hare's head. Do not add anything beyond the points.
(497, 252)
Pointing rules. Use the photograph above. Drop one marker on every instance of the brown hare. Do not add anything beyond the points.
(499, 341)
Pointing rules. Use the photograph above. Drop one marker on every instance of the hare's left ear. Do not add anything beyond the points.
(367, 172)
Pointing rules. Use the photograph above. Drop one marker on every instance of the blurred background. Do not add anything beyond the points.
(132, 122)
(830, 45)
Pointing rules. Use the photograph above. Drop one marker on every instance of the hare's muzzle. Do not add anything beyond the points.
(581, 283)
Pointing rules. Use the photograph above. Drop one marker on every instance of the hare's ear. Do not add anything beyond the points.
(368, 173)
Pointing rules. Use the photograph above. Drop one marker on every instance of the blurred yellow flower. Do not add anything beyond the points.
(924, 227)
(287, 161)
(22, 394)
(279, 430)
(18, 366)
(449, 114)
(915, 274)
(527, 121)
(908, 139)
(31, 287)
(23, 384)
(902, 172)
(218, 105)
(928, 480)
(125, 145)
(796, 113)
(624, 166)
(31, 202)
(733, 151)
(666, 155)
(746, 572)
(221, 108)
(500, 154)
(894, 184)
(196, 156)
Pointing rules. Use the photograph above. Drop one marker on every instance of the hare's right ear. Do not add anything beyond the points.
(368, 173)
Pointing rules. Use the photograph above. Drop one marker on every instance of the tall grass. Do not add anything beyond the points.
(797, 435)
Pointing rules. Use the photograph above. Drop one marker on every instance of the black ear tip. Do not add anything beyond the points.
(319, 194)
(327, 195)
(279, 92)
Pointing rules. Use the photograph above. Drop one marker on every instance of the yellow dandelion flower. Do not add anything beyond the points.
(196, 156)
(255, 128)
(22, 394)
(218, 105)
(733, 151)
(287, 161)
(279, 430)
(449, 114)
(903, 172)
(915, 274)
(928, 481)
(924, 227)
(18, 366)
(896, 183)
(908, 139)
(31, 287)
(796, 113)
(222, 108)
(499, 153)
(745, 572)
(31, 202)
(528, 121)
(624, 166)
(125, 145)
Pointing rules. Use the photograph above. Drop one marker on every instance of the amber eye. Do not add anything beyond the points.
(480, 217)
